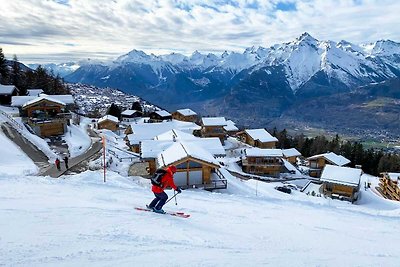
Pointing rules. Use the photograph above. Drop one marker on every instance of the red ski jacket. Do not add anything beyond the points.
(167, 180)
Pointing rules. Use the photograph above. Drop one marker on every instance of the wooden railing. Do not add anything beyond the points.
(17, 126)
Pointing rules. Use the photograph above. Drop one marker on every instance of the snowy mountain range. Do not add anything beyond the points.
(260, 82)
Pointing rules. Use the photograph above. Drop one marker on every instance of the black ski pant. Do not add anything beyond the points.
(159, 201)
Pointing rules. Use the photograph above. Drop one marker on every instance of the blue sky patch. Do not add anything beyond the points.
(286, 6)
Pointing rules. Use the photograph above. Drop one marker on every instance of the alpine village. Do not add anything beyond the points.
(70, 138)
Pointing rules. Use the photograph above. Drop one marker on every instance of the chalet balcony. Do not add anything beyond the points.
(213, 131)
(246, 162)
(58, 118)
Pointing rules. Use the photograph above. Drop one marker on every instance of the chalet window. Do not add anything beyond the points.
(313, 164)
(193, 164)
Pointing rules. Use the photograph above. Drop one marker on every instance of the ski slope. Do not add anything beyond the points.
(81, 221)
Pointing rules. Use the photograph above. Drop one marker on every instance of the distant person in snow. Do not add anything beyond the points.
(160, 196)
(57, 162)
(66, 162)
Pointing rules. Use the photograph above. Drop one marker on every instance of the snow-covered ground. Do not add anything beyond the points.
(81, 221)
(77, 140)
(12, 160)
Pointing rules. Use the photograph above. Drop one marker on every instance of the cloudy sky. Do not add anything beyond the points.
(63, 30)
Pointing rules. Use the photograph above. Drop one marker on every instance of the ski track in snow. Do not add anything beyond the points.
(80, 221)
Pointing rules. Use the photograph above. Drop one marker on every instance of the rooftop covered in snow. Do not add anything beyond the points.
(186, 112)
(129, 112)
(341, 175)
(152, 148)
(147, 131)
(291, 152)
(19, 101)
(35, 92)
(181, 150)
(333, 158)
(230, 126)
(263, 152)
(7, 89)
(163, 113)
(41, 98)
(261, 134)
(108, 118)
(213, 121)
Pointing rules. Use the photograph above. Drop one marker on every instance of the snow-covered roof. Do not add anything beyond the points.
(230, 126)
(291, 152)
(163, 113)
(129, 112)
(6, 89)
(289, 166)
(147, 131)
(214, 121)
(186, 112)
(19, 101)
(181, 150)
(152, 148)
(35, 92)
(175, 134)
(108, 118)
(43, 97)
(333, 158)
(263, 152)
(261, 134)
(341, 175)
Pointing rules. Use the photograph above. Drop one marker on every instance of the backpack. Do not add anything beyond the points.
(157, 177)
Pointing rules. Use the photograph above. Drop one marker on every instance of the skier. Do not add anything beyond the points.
(66, 162)
(160, 196)
(57, 162)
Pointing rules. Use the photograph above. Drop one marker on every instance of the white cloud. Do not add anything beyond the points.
(64, 30)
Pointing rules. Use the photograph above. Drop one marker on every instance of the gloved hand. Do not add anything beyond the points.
(178, 190)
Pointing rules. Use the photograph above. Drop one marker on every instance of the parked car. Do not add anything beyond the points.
(284, 189)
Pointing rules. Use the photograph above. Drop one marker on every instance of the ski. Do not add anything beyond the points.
(177, 214)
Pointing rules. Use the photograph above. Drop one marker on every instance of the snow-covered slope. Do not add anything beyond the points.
(81, 221)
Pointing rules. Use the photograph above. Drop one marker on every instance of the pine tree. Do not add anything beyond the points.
(18, 76)
(136, 106)
(3, 68)
(114, 110)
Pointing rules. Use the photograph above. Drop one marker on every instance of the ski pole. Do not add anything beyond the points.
(176, 202)
(171, 198)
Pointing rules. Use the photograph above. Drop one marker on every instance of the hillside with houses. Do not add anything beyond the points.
(247, 196)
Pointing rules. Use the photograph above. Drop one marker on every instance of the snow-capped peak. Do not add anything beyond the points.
(136, 56)
(384, 48)
(306, 38)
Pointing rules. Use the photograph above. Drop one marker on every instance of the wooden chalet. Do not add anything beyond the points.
(47, 116)
(291, 155)
(317, 163)
(213, 127)
(231, 128)
(195, 160)
(130, 115)
(6, 93)
(341, 182)
(262, 162)
(159, 116)
(196, 167)
(185, 115)
(258, 138)
(108, 122)
(389, 185)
